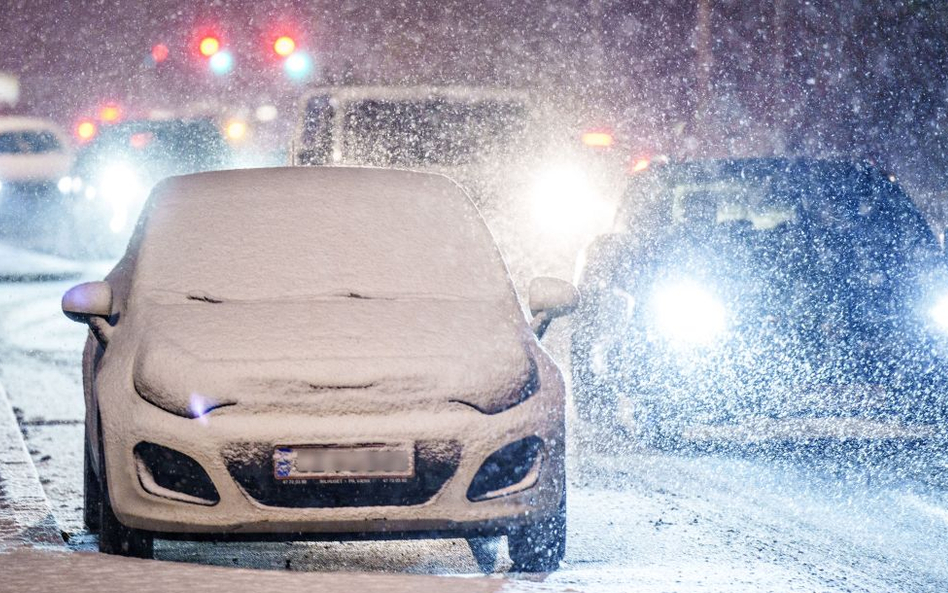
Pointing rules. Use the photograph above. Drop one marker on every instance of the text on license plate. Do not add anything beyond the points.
(329, 462)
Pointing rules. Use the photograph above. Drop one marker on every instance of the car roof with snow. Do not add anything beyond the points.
(300, 232)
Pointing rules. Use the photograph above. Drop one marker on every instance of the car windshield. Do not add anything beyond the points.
(186, 146)
(28, 142)
(417, 132)
(340, 237)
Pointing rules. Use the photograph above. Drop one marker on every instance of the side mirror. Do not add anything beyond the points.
(90, 303)
(550, 298)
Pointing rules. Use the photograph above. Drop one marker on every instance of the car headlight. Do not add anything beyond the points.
(69, 185)
(119, 183)
(939, 313)
(565, 199)
(121, 187)
(688, 314)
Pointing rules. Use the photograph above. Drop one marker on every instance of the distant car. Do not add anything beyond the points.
(320, 352)
(115, 171)
(35, 157)
(759, 299)
(543, 175)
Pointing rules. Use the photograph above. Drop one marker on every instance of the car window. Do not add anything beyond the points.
(436, 132)
(186, 146)
(28, 142)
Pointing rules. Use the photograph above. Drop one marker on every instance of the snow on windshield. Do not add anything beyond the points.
(318, 233)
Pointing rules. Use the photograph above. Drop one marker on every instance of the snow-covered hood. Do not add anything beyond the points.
(348, 355)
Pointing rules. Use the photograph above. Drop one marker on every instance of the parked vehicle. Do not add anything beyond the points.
(763, 299)
(34, 157)
(392, 384)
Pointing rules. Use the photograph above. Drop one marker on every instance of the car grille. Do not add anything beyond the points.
(251, 465)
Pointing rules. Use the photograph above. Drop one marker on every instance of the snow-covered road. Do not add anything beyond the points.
(840, 520)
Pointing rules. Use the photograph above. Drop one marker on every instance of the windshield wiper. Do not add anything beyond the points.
(204, 298)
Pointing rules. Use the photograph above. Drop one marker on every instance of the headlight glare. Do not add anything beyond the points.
(939, 313)
(686, 313)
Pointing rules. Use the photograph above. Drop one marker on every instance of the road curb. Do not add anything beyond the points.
(26, 518)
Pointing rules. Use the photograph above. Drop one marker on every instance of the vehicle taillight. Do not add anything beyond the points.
(110, 113)
(597, 139)
(86, 130)
(639, 164)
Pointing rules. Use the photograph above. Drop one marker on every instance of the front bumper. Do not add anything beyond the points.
(780, 389)
(213, 439)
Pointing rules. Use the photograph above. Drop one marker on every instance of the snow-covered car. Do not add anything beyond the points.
(320, 352)
(544, 175)
(35, 158)
(756, 299)
(115, 172)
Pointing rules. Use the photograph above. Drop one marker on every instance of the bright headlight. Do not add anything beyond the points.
(119, 183)
(686, 313)
(939, 313)
(122, 188)
(565, 199)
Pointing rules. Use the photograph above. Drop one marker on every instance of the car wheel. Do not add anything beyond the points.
(114, 537)
(540, 547)
(91, 494)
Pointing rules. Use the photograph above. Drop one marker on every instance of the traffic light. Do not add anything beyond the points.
(209, 46)
(298, 65)
(221, 62)
(284, 46)
(159, 53)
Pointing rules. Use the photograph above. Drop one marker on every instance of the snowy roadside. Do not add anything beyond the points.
(37, 571)
(18, 264)
(25, 515)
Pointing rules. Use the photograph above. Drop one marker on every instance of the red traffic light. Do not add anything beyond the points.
(159, 53)
(209, 46)
(284, 45)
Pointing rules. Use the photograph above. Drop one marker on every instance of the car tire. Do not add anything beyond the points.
(91, 493)
(539, 547)
(114, 537)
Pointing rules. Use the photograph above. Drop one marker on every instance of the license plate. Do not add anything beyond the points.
(314, 462)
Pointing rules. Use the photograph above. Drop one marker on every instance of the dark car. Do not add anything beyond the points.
(763, 299)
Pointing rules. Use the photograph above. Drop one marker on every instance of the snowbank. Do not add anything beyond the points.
(18, 264)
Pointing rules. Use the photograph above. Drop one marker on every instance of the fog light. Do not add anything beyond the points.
(171, 474)
(513, 468)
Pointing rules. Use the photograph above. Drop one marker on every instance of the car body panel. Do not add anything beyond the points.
(336, 407)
